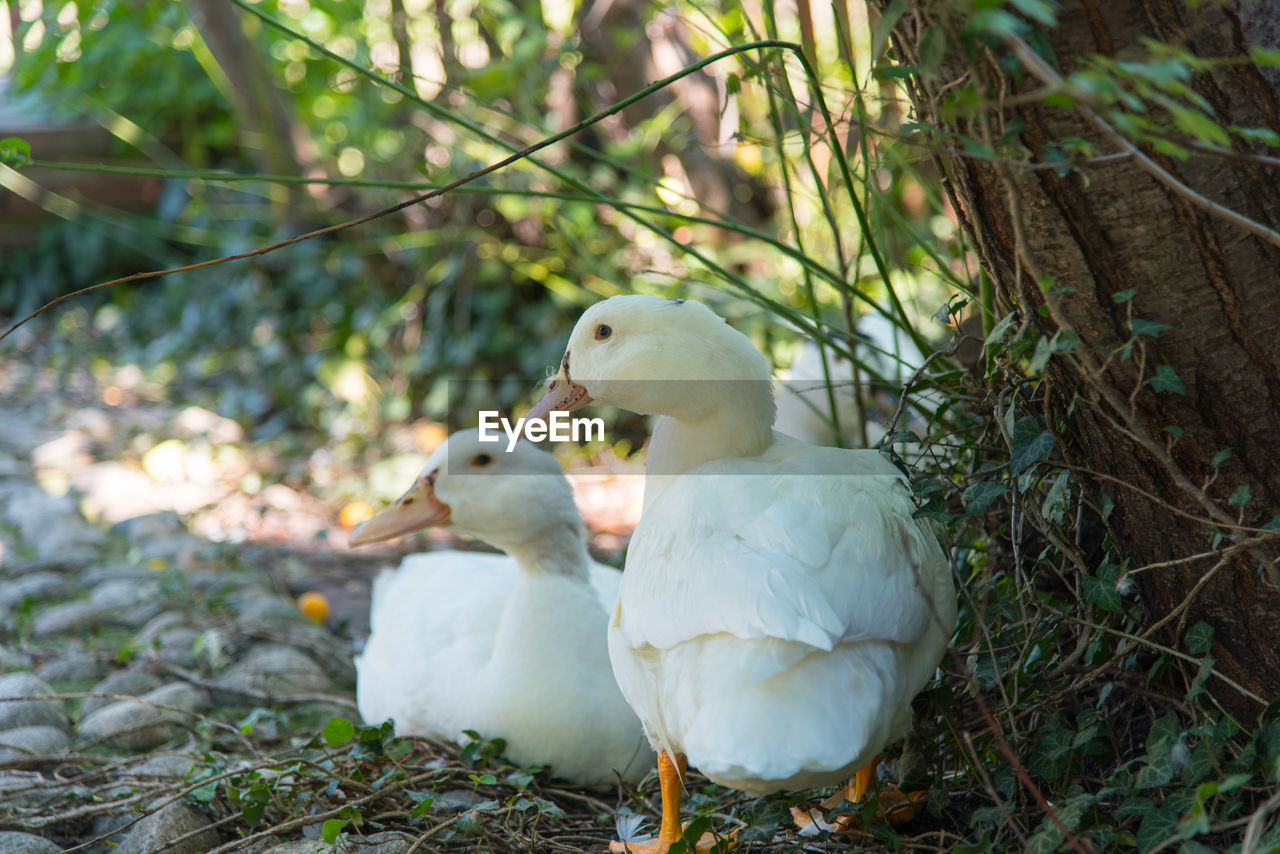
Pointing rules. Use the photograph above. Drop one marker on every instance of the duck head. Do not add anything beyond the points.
(658, 357)
(507, 498)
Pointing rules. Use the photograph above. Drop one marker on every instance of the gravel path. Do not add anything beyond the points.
(132, 653)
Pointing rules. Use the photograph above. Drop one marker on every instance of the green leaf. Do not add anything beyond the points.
(1029, 445)
(1051, 755)
(1038, 11)
(1147, 327)
(1101, 592)
(1125, 295)
(1263, 135)
(1000, 330)
(1058, 499)
(1265, 56)
(1220, 457)
(338, 731)
(1196, 124)
(1155, 773)
(884, 27)
(1166, 379)
(1193, 847)
(1064, 340)
(981, 494)
(1241, 496)
(1199, 638)
(420, 808)
(15, 152)
(330, 829)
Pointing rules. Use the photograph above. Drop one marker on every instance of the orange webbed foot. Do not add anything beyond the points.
(892, 805)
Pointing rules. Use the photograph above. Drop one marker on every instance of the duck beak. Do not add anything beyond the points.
(562, 395)
(416, 509)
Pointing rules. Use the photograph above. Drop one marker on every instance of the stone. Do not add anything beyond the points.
(195, 421)
(160, 624)
(72, 617)
(97, 425)
(13, 467)
(13, 659)
(180, 550)
(37, 586)
(73, 667)
(94, 576)
(69, 453)
(164, 765)
(176, 645)
(115, 491)
(31, 741)
(141, 725)
(140, 529)
(387, 842)
(133, 683)
(255, 604)
(29, 789)
(278, 670)
(119, 594)
(153, 832)
(13, 842)
(54, 527)
(15, 712)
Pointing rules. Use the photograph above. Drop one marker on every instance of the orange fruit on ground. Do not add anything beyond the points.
(314, 605)
(354, 513)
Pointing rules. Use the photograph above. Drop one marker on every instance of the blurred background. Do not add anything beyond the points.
(159, 134)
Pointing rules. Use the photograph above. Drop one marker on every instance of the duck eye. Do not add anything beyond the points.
(481, 460)
(603, 332)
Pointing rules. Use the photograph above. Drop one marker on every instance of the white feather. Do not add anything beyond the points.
(510, 648)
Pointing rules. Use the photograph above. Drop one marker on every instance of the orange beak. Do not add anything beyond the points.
(416, 509)
(562, 395)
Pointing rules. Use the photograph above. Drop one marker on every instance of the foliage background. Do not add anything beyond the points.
(795, 204)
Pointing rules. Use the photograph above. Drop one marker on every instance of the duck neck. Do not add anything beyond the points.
(553, 552)
(737, 421)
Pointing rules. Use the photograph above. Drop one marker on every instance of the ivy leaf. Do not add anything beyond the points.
(979, 496)
(1051, 755)
(1147, 327)
(338, 731)
(330, 829)
(1124, 295)
(1064, 340)
(1199, 638)
(1000, 330)
(1155, 773)
(1166, 379)
(1241, 496)
(1101, 592)
(1029, 445)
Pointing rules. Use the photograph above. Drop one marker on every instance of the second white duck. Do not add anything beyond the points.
(510, 646)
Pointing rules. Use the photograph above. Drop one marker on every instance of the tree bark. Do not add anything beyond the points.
(264, 118)
(1108, 227)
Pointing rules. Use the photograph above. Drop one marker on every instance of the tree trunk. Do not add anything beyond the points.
(263, 116)
(607, 30)
(1109, 227)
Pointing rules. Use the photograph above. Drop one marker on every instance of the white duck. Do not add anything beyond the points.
(887, 360)
(511, 646)
(780, 607)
